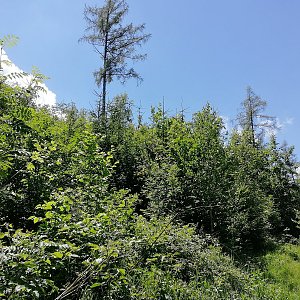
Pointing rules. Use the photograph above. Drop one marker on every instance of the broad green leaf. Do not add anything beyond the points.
(38, 147)
(95, 285)
(94, 246)
(2, 235)
(122, 271)
(57, 255)
(49, 214)
(30, 166)
(48, 205)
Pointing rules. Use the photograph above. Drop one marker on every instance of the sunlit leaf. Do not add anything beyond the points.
(57, 255)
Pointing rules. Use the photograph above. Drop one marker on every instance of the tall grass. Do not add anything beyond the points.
(282, 269)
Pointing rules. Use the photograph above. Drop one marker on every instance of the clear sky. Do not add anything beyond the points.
(200, 51)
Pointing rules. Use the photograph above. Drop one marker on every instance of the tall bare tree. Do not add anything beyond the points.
(252, 118)
(115, 43)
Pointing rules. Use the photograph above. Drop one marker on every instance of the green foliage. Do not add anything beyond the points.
(282, 267)
(227, 187)
(40, 153)
(284, 188)
(68, 240)
(6, 42)
(195, 175)
(124, 141)
(114, 255)
(189, 160)
(250, 208)
(139, 213)
(9, 40)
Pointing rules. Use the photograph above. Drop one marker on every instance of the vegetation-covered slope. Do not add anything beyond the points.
(164, 210)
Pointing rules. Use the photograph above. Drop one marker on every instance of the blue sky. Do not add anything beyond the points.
(200, 50)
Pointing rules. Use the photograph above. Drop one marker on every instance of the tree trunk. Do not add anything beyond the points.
(104, 80)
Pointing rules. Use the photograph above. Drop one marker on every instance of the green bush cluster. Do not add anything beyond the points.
(245, 195)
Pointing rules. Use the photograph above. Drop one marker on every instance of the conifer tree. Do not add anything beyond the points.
(115, 43)
(252, 119)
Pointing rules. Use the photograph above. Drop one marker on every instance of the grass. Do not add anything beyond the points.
(282, 269)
